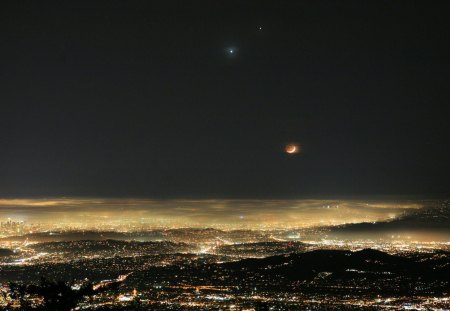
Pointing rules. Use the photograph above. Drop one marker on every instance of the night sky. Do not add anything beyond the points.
(193, 99)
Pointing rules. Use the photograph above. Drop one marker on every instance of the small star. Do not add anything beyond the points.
(259, 28)
(231, 51)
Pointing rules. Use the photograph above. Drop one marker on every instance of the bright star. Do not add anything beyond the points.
(231, 51)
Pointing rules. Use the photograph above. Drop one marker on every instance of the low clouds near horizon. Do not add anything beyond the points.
(275, 213)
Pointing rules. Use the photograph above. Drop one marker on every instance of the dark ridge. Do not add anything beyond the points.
(6, 252)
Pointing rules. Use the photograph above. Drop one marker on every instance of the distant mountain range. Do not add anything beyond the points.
(430, 223)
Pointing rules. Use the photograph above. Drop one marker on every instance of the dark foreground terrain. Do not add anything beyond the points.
(320, 279)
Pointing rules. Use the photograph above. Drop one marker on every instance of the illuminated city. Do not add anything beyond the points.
(142, 262)
(255, 155)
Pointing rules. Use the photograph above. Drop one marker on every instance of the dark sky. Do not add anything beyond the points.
(143, 99)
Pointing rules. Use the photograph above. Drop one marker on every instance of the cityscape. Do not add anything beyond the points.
(239, 155)
(141, 266)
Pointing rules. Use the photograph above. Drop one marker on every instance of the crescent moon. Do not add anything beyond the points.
(292, 149)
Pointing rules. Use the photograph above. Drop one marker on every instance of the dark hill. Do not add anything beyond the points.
(6, 252)
(339, 262)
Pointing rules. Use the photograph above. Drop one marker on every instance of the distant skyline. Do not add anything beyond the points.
(195, 100)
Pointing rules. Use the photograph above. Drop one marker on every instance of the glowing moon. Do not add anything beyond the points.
(292, 149)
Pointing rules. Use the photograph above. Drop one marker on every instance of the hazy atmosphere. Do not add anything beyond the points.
(205, 213)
